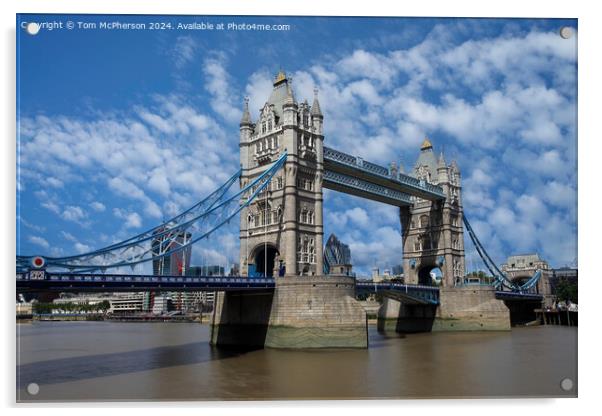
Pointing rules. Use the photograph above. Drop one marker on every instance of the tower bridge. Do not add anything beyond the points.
(282, 298)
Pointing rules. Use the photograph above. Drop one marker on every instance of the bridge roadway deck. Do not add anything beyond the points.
(74, 282)
(80, 282)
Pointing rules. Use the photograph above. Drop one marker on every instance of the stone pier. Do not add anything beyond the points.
(460, 309)
(302, 312)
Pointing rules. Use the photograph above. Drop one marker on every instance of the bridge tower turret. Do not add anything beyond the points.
(281, 231)
(432, 231)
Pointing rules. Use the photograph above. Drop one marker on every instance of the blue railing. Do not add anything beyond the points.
(345, 181)
(353, 162)
(418, 293)
(111, 282)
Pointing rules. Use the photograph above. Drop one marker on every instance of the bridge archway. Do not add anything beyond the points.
(264, 257)
(430, 276)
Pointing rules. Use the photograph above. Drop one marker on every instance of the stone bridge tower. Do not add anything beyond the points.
(281, 232)
(432, 232)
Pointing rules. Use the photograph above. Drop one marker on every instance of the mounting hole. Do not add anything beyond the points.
(566, 384)
(33, 388)
(32, 28)
(565, 33)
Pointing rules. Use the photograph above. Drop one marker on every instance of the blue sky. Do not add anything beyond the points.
(121, 129)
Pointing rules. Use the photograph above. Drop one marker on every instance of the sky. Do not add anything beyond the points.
(121, 129)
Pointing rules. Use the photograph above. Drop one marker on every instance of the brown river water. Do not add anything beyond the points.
(109, 361)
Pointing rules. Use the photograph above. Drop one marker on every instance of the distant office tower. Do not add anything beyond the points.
(214, 270)
(174, 264)
(397, 270)
(337, 257)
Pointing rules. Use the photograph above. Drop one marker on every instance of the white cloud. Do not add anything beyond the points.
(132, 219)
(128, 189)
(54, 182)
(74, 213)
(158, 182)
(218, 84)
(39, 241)
(559, 194)
(258, 90)
(98, 206)
(51, 206)
(81, 248)
(68, 236)
(183, 51)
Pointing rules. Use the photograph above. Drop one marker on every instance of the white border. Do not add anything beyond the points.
(589, 159)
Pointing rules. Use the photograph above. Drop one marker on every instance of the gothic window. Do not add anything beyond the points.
(310, 217)
(257, 147)
(279, 182)
(269, 125)
(263, 127)
(303, 218)
(424, 221)
(434, 243)
(305, 119)
(417, 245)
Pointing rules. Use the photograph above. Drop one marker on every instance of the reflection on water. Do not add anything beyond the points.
(173, 361)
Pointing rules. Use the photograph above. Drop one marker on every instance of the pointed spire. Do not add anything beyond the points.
(441, 163)
(315, 107)
(290, 96)
(246, 116)
(281, 76)
(454, 165)
(426, 144)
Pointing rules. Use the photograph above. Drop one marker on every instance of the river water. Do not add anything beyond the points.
(100, 361)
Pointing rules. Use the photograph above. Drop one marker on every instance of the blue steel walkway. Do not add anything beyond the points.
(41, 281)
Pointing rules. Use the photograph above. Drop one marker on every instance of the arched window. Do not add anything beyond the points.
(417, 245)
(303, 218)
(263, 127)
(424, 221)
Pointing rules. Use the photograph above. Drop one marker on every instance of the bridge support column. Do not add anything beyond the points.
(302, 312)
(459, 309)
(316, 312)
(240, 319)
(396, 316)
(471, 309)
